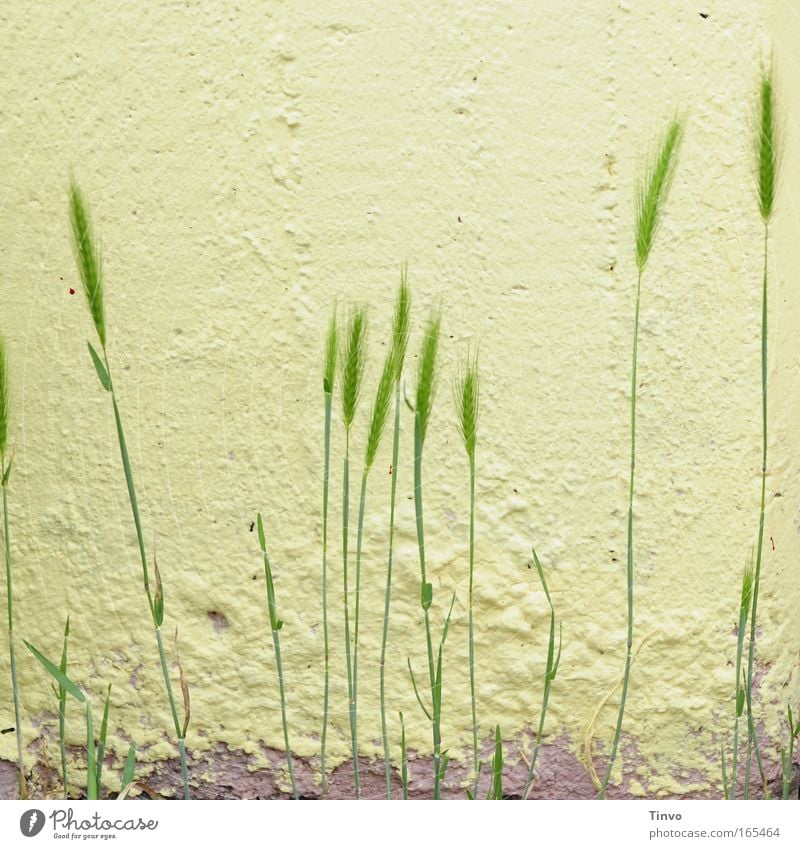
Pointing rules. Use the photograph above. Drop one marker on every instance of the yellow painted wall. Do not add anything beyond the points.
(248, 163)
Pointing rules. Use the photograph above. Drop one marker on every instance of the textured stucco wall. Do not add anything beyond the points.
(247, 164)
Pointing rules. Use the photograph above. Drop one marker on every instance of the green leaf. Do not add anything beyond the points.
(60, 677)
(102, 373)
(261, 538)
(416, 691)
(158, 598)
(130, 766)
(101, 748)
(91, 757)
(496, 787)
(447, 620)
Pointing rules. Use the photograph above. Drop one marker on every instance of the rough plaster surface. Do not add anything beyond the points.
(247, 164)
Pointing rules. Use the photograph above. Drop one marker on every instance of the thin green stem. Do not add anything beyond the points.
(62, 710)
(326, 647)
(357, 618)
(275, 626)
(348, 654)
(426, 595)
(629, 642)
(146, 578)
(178, 731)
(388, 595)
(282, 685)
(403, 758)
(734, 777)
(762, 508)
(551, 668)
(23, 787)
(123, 449)
(471, 623)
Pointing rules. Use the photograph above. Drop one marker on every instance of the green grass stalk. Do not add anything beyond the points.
(550, 672)
(380, 412)
(787, 754)
(94, 754)
(352, 364)
(328, 381)
(275, 626)
(426, 390)
(496, 785)
(62, 710)
(402, 314)
(740, 695)
(467, 392)
(5, 472)
(90, 269)
(765, 148)
(403, 758)
(651, 194)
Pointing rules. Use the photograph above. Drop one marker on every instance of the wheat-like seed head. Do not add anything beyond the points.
(353, 359)
(88, 259)
(331, 347)
(426, 375)
(467, 392)
(651, 192)
(765, 146)
(402, 317)
(380, 409)
(3, 398)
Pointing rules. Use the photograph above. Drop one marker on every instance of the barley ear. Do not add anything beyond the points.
(467, 391)
(353, 361)
(88, 259)
(652, 190)
(400, 325)
(765, 146)
(426, 375)
(331, 347)
(380, 409)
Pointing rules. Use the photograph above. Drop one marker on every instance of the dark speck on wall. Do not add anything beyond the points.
(704, 15)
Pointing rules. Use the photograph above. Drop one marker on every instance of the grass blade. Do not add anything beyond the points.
(92, 788)
(5, 474)
(651, 194)
(329, 377)
(62, 710)
(100, 368)
(90, 269)
(551, 669)
(60, 677)
(467, 394)
(400, 345)
(496, 786)
(101, 746)
(766, 154)
(352, 365)
(403, 758)
(130, 767)
(276, 624)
